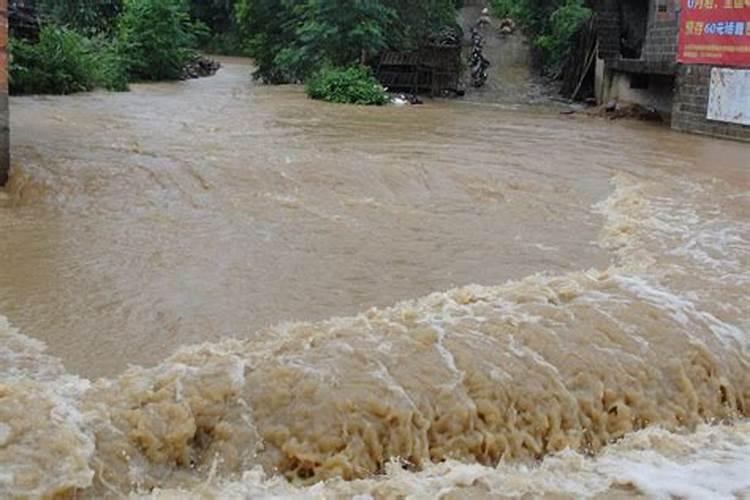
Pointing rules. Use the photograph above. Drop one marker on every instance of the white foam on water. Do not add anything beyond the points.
(712, 463)
(490, 339)
(715, 465)
(684, 311)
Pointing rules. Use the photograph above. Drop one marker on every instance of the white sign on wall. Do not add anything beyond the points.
(729, 99)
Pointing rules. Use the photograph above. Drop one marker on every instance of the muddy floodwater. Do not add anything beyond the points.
(217, 289)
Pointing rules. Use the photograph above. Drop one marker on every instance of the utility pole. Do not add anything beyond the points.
(4, 113)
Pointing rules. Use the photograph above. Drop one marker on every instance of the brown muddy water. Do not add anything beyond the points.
(199, 280)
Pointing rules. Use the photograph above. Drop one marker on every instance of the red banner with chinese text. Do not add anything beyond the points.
(715, 32)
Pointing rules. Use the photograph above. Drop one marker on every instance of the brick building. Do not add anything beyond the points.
(637, 63)
(4, 132)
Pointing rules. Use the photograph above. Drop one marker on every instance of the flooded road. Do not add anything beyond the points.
(602, 272)
(182, 213)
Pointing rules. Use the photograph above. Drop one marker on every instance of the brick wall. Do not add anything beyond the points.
(661, 41)
(4, 131)
(683, 89)
(608, 28)
(691, 105)
(662, 32)
(660, 45)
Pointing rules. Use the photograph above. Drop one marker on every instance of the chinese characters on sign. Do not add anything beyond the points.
(715, 32)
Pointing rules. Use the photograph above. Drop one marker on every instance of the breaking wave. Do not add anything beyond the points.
(575, 384)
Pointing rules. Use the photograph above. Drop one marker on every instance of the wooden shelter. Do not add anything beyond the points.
(432, 69)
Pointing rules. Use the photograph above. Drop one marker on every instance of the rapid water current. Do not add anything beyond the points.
(216, 289)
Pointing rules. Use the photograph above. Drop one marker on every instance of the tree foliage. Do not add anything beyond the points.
(416, 21)
(221, 35)
(291, 39)
(63, 62)
(218, 15)
(147, 40)
(157, 38)
(557, 38)
(88, 16)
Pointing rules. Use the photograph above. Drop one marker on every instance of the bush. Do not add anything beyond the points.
(150, 40)
(63, 62)
(352, 85)
(110, 68)
(564, 23)
(503, 8)
(156, 38)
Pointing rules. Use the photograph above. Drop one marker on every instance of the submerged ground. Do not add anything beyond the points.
(138, 224)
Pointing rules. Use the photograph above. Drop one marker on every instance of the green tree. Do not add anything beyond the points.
(416, 21)
(558, 36)
(63, 62)
(337, 32)
(291, 39)
(88, 16)
(268, 27)
(218, 15)
(157, 38)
